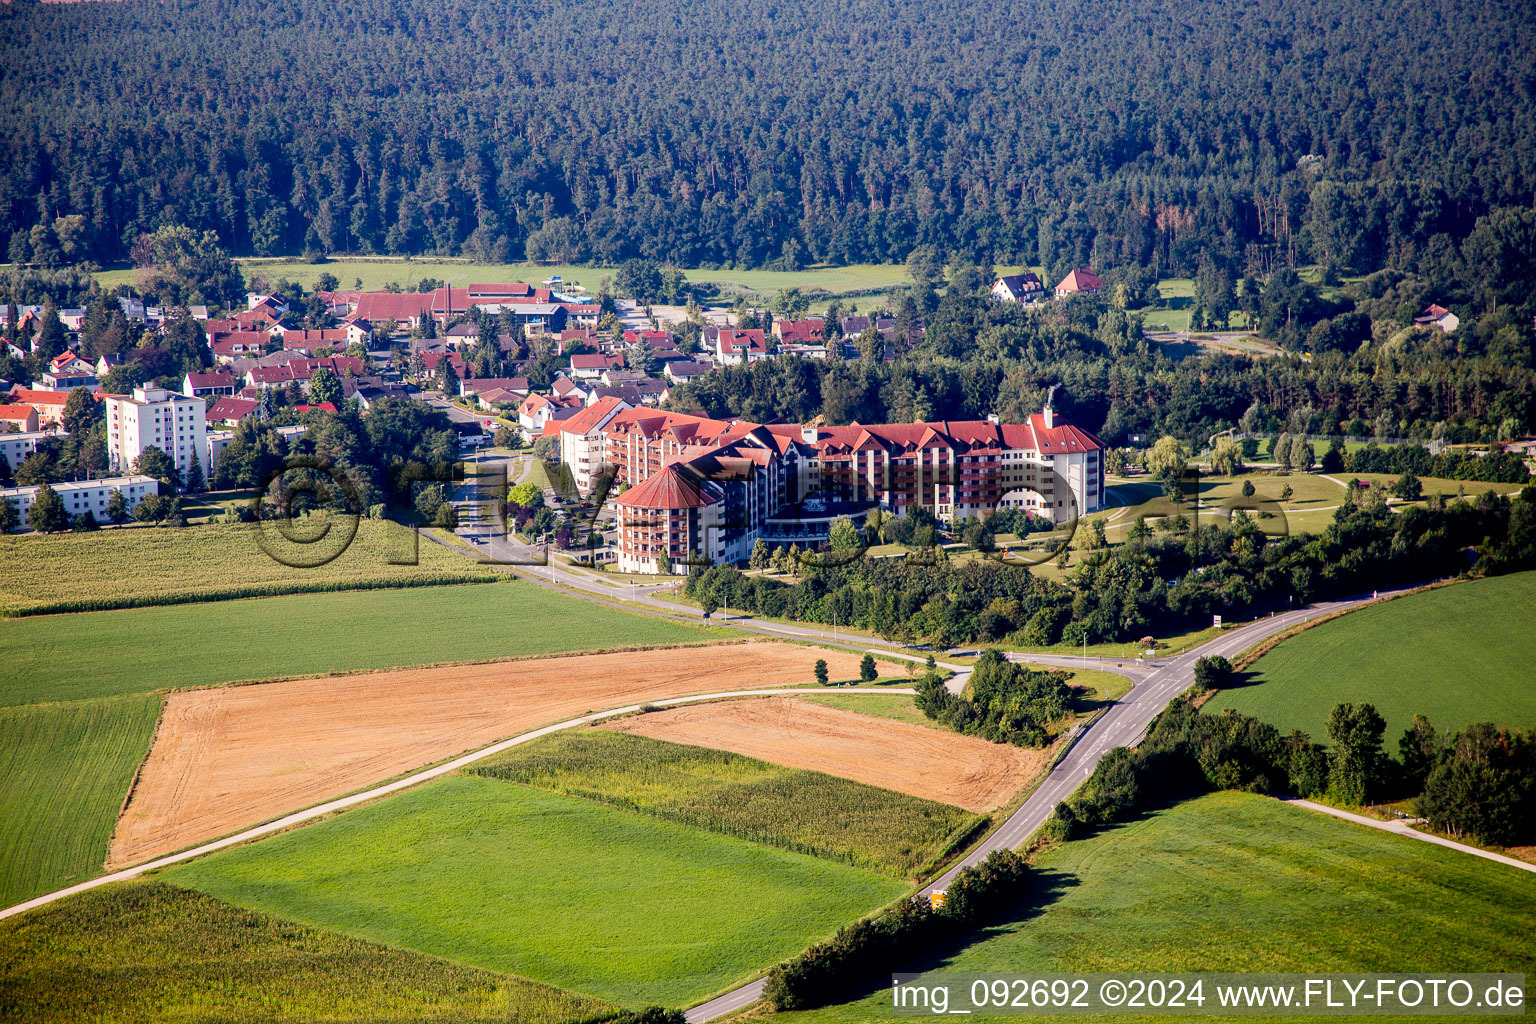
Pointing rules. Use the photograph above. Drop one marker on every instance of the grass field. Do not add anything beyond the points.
(718, 791)
(566, 891)
(1233, 882)
(897, 706)
(1459, 654)
(64, 771)
(145, 951)
(148, 566)
(47, 658)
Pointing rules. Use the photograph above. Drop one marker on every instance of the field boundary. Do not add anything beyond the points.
(348, 802)
(238, 594)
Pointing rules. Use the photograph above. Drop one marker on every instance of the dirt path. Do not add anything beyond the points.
(232, 757)
(954, 769)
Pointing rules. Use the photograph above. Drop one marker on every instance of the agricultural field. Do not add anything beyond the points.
(590, 898)
(305, 634)
(145, 951)
(718, 791)
(231, 757)
(64, 772)
(865, 285)
(1458, 654)
(1236, 882)
(934, 764)
(212, 562)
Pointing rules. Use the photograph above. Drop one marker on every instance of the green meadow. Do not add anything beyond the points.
(590, 898)
(52, 658)
(727, 793)
(1459, 654)
(1233, 882)
(145, 951)
(64, 772)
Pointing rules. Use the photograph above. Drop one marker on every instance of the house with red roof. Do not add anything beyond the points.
(583, 441)
(735, 347)
(406, 308)
(208, 385)
(1438, 316)
(592, 366)
(48, 404)
(229, 410)
(1079, 282)
(21, 417)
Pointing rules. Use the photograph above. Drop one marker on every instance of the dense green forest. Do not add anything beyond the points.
(754, 132)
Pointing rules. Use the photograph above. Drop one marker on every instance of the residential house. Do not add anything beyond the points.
(23, 418)
(1079, 282)
(591, 367)
(1438, 316)
(229, 410)
(734, 347)
(536, 411)
(1026, 287)
(802, 332)
(67, 371)
(682, 371)
(207, 385)
(15, 448)
(49, 404)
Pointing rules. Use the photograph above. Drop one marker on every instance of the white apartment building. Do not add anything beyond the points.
(155, 417)
(218, 440)
(83, 496)
(16, 447)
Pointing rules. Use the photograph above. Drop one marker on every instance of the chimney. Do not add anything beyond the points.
(807, 434)
(1050, 417)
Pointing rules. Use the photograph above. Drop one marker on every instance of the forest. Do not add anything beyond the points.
(763, 134)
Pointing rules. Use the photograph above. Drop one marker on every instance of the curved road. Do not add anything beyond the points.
(1121, 726)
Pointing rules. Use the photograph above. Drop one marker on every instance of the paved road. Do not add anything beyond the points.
(1403, 828)
(333, 806)
(1121, 726)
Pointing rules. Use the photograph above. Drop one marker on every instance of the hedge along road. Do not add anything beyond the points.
(1121, 726)
(426, 775)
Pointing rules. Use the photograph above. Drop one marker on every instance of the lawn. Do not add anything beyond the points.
(147, 566)
(64, 771)
(566, 891)
(1233, 883)
(718, 791)
(51, 658)
(1459, 654)
(145, 951)
(865, 285)
(899, 706)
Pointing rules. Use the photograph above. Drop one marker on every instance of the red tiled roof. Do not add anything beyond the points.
(1081, 280)
(671, 487)
(586, 421)
(16, 412)
(227, 408)
(593, 362)
(392, 305)
(37, 397)
(211, 380)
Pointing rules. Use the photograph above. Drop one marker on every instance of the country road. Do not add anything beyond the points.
(1121, 726)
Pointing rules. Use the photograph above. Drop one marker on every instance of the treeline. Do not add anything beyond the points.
(1480, 782)
(978, 357)
(756, 135)
(1158, 581)
(1499, 467)
(869, 949)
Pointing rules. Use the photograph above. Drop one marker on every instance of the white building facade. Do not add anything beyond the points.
(156, 418)
(83, 496)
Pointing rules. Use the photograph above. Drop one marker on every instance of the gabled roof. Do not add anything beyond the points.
(592, 417)
(211, 380)
(227, 408)
(392, 305)
(1080, 280)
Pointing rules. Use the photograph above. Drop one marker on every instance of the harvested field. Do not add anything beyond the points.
(953, 769)
(232, 757)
